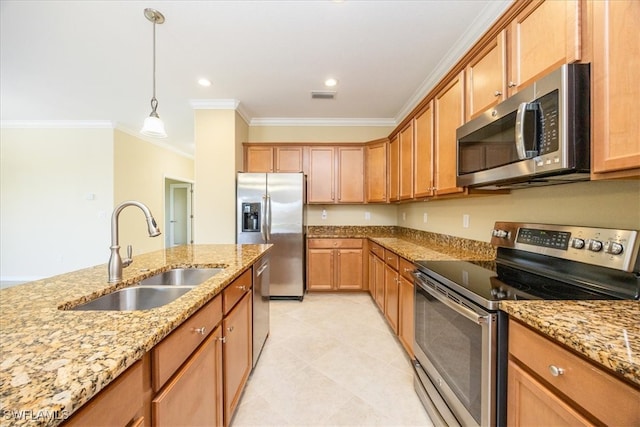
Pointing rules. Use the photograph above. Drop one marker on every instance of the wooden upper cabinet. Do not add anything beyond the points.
(321, 177)
(406, 162)
(288, 159)
(423, 152)
(614, 106)
(545, 35)
(449, 115)
(350, 174)
(259, 159)
(394, 169)
(376, 172)
(486, 75)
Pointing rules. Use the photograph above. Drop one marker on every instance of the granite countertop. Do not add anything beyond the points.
(605, 332)
(54, 360)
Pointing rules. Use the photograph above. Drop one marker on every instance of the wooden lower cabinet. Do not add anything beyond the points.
(194, 394)
(335, 265)
(376, 280)
(236, 354)
(125, 394)
(405, 316)
(550, 385)
(391, 295)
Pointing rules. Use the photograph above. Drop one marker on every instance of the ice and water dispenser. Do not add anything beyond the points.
(251, 216)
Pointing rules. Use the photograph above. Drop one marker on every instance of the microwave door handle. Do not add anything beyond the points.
(464, 311)
(520, 116)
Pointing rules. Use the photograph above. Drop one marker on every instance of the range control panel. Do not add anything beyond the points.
(605, 247)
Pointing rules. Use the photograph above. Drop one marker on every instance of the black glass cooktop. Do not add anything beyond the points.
(485, 284)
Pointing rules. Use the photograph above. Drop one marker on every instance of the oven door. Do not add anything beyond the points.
(456, 349)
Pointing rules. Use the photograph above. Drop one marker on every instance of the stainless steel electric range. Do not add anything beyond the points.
(460, 333)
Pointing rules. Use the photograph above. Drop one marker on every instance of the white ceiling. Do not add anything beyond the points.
(89, 63)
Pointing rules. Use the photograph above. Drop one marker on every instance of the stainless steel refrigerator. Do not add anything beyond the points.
(270, 209)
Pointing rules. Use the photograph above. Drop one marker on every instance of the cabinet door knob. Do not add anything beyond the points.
(497, 93)
(230, 329)
(512, 84)
(223, 339)
(200, 331)
(242, 288)
(555, 371)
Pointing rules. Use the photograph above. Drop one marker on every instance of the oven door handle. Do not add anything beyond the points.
(460, 309)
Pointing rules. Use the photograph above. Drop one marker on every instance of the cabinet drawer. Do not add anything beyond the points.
(171, 352)
(587, 385)
(232, 293)
(334, 243)
(377, 249)
(406, 267)
(391, 259)
(124, 393)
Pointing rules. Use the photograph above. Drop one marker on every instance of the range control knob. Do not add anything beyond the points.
(577, 243)
(595, 245)
(613, 248)
(501, 234)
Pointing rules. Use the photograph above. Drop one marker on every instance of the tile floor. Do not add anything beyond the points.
(330, 360)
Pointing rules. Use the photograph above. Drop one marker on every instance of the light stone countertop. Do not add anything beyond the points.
(53, 360)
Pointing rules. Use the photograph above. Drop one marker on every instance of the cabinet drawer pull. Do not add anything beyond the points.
(200, 331)
(242, 288)
(555, 371)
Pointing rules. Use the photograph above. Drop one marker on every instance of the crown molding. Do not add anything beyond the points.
(483, 21)
(221, 104)
(283, 121)
(57, 124)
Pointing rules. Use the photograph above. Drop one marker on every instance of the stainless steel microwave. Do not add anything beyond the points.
(539, 136)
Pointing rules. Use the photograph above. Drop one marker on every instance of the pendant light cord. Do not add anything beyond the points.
(154, 101)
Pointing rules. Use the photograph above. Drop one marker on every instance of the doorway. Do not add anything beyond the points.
(178, 212)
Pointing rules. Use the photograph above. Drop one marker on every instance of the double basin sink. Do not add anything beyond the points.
(152, 292)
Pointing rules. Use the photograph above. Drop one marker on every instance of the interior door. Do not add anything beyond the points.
(179, 218)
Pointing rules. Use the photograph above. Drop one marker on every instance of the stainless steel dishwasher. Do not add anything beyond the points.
(260, 306)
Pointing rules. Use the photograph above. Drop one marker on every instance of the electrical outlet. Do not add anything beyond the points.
(465, 221)
(324, 214)
(367, 216)
(424, 217)
(404, 216)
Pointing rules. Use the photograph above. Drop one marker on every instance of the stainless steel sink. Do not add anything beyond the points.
(135, 298)
(181, 277)
(152, 292)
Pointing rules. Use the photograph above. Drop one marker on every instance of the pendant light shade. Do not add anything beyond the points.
(153, 126)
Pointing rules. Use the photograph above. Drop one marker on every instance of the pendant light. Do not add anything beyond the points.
(153, 126)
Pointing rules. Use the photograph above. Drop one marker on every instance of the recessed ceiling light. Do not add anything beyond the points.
(204, 82)
(330, 82)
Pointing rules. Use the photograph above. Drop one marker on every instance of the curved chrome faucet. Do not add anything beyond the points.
(116, 263)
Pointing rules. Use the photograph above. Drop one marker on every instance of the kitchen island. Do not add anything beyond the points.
(54, 360)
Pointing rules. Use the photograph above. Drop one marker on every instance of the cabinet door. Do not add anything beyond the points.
(236, 355)
(449, 115)
(423, 152)
(615, 107)
(529, 403)
(543, 36)
(376, 167)
(321, 179)
(405, 318)
(259, 159)
(406, 163)
(486, 77)
(194, 395)
(349, 269)
(372, 275)
(394, 169)
(289, 159)
(380, 279)
(391, 295)
(350, 175)
(320, 276)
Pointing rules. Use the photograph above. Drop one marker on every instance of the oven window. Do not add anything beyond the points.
(453, 345)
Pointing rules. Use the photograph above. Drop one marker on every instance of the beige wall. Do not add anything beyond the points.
(55, 198)
(218, 156)
(317, 133)
(352, 214)
(614, 204)
(140, 168)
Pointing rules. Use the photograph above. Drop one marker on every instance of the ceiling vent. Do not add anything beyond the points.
(318, 94)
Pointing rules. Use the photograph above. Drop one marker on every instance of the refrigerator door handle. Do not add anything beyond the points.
(268, 219)
(263, 218)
